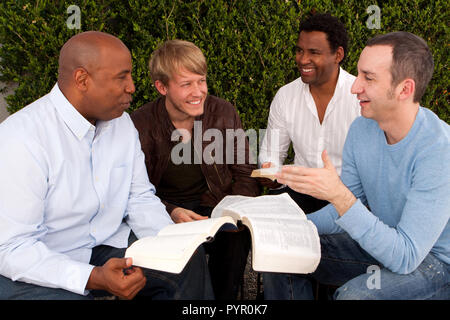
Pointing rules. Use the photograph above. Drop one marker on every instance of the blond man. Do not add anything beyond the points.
(190, 176)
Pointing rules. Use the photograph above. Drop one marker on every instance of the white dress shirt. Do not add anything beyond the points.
(67, 186)
(293, 117)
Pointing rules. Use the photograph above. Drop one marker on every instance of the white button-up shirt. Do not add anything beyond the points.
(293, 117)
(67, 186)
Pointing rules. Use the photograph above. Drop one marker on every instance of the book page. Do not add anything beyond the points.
(225, 202)
(168, 253)
(274, 206)
(208, 227)
(284, 245)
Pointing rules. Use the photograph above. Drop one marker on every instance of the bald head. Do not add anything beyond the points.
(95, 75)
(85, 50)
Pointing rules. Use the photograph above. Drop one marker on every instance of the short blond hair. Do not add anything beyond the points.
(173, 55)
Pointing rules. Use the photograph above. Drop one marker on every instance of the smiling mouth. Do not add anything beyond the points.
(194, 102)
(363, 100)
(362, 103)
(306, 73)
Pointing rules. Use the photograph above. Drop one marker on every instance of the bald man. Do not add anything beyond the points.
(74, 192)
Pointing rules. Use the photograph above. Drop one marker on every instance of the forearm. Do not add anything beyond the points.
(37, 265)
(325, 220)
(401, 248)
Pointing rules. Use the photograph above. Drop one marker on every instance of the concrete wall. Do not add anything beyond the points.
(3, 113)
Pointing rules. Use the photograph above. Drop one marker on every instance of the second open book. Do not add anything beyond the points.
(283, 240)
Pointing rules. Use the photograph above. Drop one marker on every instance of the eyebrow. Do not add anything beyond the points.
(368, 72)
(308, 49)
(124, 72)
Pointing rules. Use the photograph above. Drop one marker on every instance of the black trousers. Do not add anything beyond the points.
(306, 202)
(227, 256)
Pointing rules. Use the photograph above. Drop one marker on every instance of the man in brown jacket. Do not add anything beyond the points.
(191, 173)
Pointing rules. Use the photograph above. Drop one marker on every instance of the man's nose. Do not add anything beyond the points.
(303, 58)
(197, 89)
(130, 88)
(356, 86)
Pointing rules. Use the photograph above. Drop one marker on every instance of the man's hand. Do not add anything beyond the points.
(111, 277)
(267, 165)
(321, 183)
(179, 215)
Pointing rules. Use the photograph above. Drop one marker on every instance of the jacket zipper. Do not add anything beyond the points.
(217, 171)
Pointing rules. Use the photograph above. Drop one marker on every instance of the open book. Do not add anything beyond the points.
(174, 245)
(283, 240)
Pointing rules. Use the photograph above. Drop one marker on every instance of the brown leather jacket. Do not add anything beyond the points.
(155, 130)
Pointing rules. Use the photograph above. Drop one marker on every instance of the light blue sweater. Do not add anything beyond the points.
(407, 188)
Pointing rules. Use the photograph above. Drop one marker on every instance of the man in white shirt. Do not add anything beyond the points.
(314, 111)
(74, 191)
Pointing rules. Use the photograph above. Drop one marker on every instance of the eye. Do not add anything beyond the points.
(367, 78)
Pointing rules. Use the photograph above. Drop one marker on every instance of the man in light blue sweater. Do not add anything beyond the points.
(385, 233)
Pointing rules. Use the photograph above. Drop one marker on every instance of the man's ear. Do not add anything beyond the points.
(161, 87)
(339, 54)
(407, 88)
(81, 77)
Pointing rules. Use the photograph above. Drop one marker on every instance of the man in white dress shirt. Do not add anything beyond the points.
(315, 111)
(74, 191)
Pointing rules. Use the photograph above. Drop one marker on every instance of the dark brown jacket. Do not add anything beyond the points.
(155, 130)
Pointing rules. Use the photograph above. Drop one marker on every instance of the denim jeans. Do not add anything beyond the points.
(193, 283)
(359, 276)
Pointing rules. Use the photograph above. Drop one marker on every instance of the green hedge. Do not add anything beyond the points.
(248, 43)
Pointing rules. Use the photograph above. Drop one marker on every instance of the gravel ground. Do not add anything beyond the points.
(250, 290)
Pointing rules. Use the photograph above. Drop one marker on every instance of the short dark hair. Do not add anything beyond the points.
(411, 58)
(334, 29)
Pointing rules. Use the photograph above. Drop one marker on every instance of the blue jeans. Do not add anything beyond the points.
(359, 276)
(193, 283)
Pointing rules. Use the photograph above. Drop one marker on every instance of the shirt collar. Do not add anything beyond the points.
(73, 119)
(338, 92)
(340, 83)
